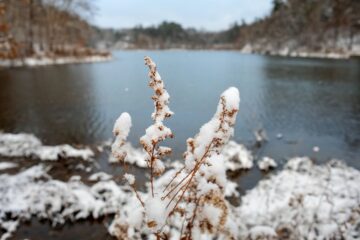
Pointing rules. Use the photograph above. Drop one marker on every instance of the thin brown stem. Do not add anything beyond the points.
(176, 174)
(137, 195)
(192, 174)
(152, 158)
(175, 187)
(191, 223)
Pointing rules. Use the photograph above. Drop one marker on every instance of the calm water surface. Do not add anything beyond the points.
(311, 102)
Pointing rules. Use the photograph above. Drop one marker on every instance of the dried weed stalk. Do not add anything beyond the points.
(194, 195)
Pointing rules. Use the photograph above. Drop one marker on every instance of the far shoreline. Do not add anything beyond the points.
(37, 61)
(304, 55)
(46, 61)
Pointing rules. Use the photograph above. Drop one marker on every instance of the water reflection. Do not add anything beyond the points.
(55, 103)
(315, 102)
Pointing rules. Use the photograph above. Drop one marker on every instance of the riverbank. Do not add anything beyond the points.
(288, 50)
(248, 49)
(302, 200)
(44, 61)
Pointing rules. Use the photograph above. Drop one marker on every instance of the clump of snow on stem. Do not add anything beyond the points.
(29, 146)
(216, 133)
(134, 156)
(156, 212)
(121, 131)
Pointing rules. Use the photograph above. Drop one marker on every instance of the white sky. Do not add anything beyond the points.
(201, 14)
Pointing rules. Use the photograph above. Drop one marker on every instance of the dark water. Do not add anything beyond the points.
(312, 102)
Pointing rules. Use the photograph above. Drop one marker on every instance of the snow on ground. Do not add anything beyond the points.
(100, 176)
(267, 163)
(302, 201)
(27, 145)
(34, 193)
(237, 156)
(305, 201)
(7, 165)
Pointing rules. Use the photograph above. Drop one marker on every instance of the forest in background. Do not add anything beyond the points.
(305, 26)
(55, 28)
(45, 27)
(324, 26)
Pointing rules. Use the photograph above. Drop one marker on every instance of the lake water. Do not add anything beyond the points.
(311, 102)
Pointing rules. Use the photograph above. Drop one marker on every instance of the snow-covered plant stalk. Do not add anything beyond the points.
(158, 131)
(194, 196)
(121, 131)
(197, 192)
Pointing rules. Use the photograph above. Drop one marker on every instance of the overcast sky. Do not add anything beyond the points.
(202, 14)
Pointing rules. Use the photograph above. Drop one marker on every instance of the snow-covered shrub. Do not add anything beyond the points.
(188, 203)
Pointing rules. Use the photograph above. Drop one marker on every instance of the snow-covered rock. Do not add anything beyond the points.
(267, 163)
(100, 176)
(237, 156)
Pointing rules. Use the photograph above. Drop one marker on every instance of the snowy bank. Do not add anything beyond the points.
(288, 49)
(44, 61)
(33, 193)
(27, 145)
(7, 165)
(305, 201)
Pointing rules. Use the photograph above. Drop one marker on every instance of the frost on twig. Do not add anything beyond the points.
(158, 131)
